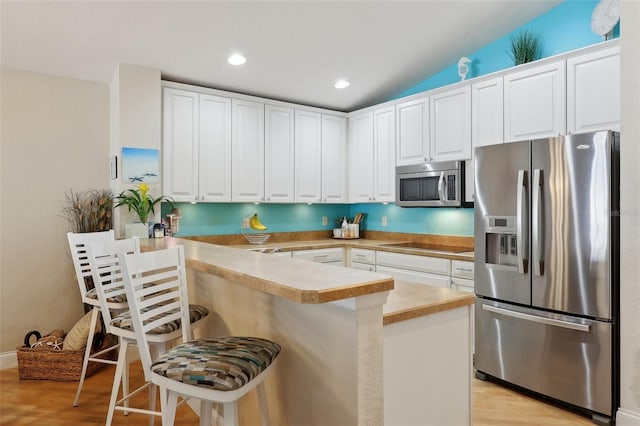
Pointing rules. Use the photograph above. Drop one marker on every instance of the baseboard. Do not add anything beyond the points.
(627, 418)
(8, 360)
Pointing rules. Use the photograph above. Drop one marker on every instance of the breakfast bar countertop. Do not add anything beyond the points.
(294, 279)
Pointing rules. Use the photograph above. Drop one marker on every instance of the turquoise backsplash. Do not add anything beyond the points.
(226, 218)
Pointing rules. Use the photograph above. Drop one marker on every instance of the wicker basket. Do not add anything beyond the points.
(65, 366)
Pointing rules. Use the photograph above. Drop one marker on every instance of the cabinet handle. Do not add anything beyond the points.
(320, 256)
(464, 269)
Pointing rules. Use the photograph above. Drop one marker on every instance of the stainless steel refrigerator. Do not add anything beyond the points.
(547, 268)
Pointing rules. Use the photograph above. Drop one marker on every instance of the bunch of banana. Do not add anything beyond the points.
(255, 223)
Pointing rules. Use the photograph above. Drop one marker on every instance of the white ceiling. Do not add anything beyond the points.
(296, 50)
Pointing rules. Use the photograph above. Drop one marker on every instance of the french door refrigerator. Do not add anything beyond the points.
(547, 268)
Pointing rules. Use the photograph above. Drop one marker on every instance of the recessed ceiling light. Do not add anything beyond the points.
(341, 84)
(236, 59)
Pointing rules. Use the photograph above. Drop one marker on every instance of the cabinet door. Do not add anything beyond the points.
(384, 141)
(308, 156)
(361, 158)
(534, 102)
(412, 139)
(415, 277)
(214, 163)
(247, 183)
(450, 124)
(179, 144)
(487, 123)
(279, 154)
(593, 91)
(334, 159)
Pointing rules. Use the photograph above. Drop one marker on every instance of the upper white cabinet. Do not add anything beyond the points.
(450, 124)
(487, 123)
(278, 154)
(196, 147)
(412, 132)
(534, 102)
(308, 156)
(487, 113)
(384, 143)
(247, 155)
(593, 91)
(214, 162)
(361, 157)
(334, 159)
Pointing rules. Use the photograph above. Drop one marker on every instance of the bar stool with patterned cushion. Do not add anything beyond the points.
(215, 370)
(78, 243)
(108, 280)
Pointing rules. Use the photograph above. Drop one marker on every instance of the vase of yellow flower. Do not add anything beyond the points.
(142, 203)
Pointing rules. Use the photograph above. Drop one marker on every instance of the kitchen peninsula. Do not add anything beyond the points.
(356, 351)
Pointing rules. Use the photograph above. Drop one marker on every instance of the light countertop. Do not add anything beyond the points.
(320, 283)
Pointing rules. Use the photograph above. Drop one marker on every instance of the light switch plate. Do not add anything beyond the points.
(384, 221)
(324, 221)
(245, 223)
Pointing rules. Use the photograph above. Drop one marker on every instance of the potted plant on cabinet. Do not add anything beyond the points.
(142, 203)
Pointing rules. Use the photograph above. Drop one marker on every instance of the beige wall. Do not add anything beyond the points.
(136, 104)
(630, 218)
(55, 137)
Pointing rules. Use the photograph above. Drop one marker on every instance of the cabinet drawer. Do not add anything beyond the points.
(415, 263)
(363, 266)
(462, 284)
(462, 269)
(415, 277)
(321, 255)
(363, 256)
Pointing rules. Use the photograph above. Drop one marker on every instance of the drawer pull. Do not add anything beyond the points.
(464, 269)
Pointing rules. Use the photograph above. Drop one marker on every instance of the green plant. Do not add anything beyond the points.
(526, 46)
(88, 211)
(140, 201)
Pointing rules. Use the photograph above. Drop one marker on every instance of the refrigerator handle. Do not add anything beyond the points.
(534, 318)
(536, 225)
(521, 221)
(441, 188)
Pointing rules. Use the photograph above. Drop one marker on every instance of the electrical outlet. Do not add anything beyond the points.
(324, 221)
(384, 221)
(245, 223)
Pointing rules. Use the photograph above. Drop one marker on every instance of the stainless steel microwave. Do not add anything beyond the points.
(436, 184)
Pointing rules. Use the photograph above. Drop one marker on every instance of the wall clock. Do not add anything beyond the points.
(605, 16)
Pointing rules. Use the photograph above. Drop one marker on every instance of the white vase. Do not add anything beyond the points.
(136, 229)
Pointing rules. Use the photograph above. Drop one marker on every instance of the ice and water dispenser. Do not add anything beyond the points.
(501, 241)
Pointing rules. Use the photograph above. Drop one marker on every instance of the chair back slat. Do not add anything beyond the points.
(107, 273)
(78, 243)
(155, 284)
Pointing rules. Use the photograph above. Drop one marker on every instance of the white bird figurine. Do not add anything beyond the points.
(463, 68)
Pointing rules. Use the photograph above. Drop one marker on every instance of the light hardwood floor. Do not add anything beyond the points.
(49, 403)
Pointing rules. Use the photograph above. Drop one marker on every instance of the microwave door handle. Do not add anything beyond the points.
(521, 221)
(536, 223)
(441, 188)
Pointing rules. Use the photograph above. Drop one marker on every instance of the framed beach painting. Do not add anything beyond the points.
(140, 165)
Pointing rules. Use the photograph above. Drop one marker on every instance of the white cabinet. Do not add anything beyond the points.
(487, 113)
(462, 275)
(363, 259)
(384, 161)
(372, 156)
(593, 91)
(450, 124)
(334, 256)
(334, 159)
(196, 146)
(278, 154)
(308, 156)
(361, 156)
(247, 156)
(534, 102)
(416, 269)
(487, 123)
(412, 132)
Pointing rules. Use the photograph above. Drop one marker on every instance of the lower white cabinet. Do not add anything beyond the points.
(362, 259)
(462, 275)
(415, 276)
(330, 255)
(416, 269)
